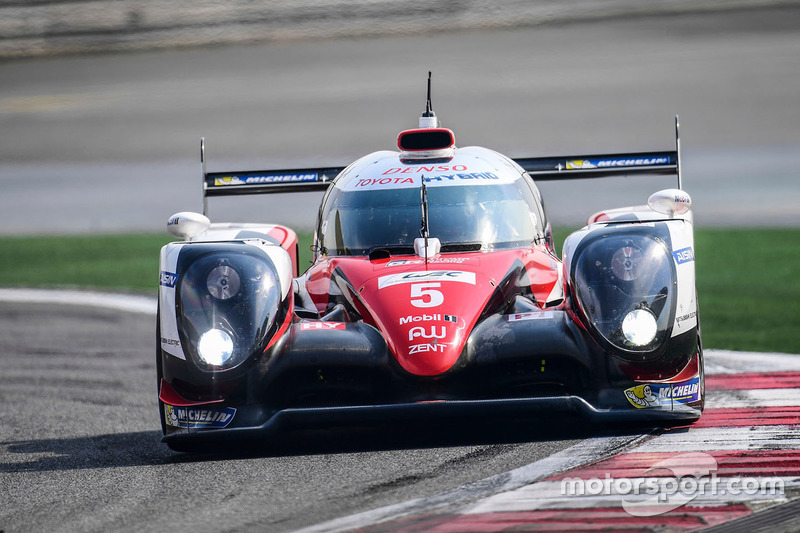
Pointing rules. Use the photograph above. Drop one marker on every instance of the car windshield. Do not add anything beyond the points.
(466, 217)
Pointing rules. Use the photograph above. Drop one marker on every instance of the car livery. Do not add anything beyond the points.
(434, 290)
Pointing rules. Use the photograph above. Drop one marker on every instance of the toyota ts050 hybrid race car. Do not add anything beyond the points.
(434, 291)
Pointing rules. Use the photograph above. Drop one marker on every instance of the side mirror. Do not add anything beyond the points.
(186, 224)
(670, 202)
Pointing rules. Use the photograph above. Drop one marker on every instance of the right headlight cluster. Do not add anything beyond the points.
(625, 287)
(228, 301)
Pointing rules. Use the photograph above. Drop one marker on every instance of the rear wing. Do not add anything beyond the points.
(539, 168)
(263, 181)
(600, 166)
(603, 166)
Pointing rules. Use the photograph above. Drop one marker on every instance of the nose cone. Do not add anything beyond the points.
(428, 344)
(426, 315)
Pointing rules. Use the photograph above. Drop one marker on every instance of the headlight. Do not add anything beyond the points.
(625, 286)
(639, 327)
(223, 282)
(215, 347)
(228, 299)
(625, 263)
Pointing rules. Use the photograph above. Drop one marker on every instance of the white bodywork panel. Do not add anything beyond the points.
(233, 231)
(681, 231)
(472, 165)
(170, 340)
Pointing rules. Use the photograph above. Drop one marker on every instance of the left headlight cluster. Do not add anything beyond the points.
(227, 305)
(625, 286)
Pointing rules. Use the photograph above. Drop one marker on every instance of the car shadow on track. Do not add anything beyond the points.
(144, 448)
(97, 451)
(415, 436)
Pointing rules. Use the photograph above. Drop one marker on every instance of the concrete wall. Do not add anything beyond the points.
(46, 27)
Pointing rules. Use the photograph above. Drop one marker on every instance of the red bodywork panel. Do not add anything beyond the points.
(426, 311)
(169, 396)
(287, 239)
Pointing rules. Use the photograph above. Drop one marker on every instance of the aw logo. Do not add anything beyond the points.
(419, 331)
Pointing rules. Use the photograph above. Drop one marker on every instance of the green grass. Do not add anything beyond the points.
(124, 262)
(748, 280)
(748, 284)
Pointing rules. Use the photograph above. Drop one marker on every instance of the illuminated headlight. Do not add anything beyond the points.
(215, 347)
(228, 301)
(624, 281)
(639, 327)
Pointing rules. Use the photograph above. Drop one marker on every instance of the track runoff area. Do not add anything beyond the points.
(736, 469)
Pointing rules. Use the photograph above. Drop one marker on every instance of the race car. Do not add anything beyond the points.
(434, 291)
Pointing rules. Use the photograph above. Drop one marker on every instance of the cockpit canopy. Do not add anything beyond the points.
(479, 200)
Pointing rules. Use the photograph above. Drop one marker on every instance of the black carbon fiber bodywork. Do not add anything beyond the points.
(348, 376)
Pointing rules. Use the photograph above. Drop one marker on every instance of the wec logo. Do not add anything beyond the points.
(426, 275)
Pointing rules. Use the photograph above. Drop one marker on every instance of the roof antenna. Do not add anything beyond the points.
(428, 118)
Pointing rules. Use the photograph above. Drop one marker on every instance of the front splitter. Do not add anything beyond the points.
(323, 417)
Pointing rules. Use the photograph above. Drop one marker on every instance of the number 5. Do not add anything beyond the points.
(419, 292)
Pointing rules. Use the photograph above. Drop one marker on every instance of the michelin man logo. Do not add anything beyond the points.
(170, 416)
(664, 394)
(642, 396)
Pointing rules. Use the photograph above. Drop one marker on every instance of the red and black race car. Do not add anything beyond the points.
(434, 291)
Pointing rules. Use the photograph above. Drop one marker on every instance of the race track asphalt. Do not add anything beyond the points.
(80, 448)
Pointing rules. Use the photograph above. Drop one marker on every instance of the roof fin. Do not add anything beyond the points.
(428, 118)
(423, 231)
(425, 246)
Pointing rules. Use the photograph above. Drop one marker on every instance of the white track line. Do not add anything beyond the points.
(549, 495)
(727, 362)
(745, 438)
(753, 398)
(584, 452)
(120, 302)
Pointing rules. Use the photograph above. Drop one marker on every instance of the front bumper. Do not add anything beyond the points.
(316, 417)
